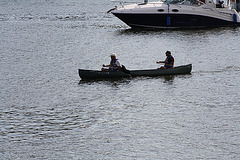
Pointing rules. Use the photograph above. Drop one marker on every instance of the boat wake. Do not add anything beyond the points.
(228, 69)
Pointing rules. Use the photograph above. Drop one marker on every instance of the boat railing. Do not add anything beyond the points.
(149, 3)
(195, 3)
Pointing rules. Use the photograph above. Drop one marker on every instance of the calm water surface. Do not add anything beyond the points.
(48, 113)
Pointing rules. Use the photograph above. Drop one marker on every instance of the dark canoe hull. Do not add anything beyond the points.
(94, 74)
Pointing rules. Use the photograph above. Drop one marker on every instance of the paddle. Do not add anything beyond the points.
(125, 70)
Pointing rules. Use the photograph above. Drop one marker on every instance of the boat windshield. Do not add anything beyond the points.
(185, 2)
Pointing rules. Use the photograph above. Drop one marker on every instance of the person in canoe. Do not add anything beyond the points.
(169, 61)
(114, 65)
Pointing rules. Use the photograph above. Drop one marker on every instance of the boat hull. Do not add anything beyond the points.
(164, 20)
(94, 74)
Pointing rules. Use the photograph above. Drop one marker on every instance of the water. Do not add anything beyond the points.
(48, 113)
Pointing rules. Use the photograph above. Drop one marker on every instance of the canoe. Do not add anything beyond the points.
(95, 74)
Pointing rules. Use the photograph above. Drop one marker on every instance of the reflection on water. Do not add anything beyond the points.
(112, 82)
(190, 31)
(125, 81)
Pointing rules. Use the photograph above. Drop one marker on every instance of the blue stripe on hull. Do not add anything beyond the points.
(171, 20)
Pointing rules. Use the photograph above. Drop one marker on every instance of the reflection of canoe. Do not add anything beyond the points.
(94, 74)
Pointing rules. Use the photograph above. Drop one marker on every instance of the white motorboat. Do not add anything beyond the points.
(177, 14)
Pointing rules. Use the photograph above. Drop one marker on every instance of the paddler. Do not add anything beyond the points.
(169, 61)
(114, 65)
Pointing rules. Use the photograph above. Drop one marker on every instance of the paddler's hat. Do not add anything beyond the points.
(168, 52)
(113, 55)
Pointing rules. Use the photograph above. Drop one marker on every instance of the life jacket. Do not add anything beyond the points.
(113, 65)
(170, 62)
